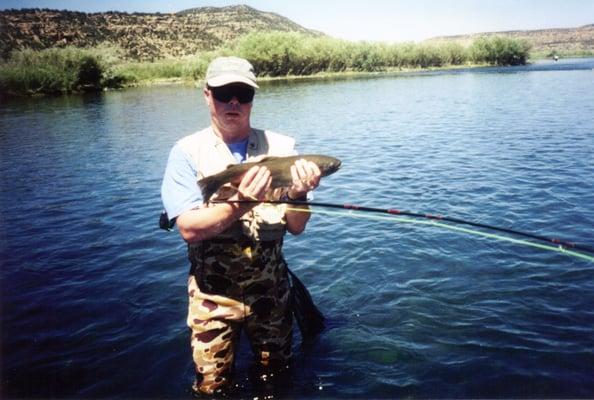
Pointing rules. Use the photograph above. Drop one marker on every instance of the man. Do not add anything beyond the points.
(238, 277)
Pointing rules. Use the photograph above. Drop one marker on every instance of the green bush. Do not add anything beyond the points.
(146, 71)
(57, 70)
(499, 51)
(272, 54)
(282, 53)
(195, 68)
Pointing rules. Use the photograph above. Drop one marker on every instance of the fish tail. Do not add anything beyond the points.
(208, 186)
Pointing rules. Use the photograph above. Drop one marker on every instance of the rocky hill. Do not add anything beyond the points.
(148, 37)
(142, 36)
(543, 41)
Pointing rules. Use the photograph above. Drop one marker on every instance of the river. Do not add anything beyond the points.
(93, 293)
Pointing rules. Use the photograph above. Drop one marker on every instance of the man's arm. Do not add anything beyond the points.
(212, 219)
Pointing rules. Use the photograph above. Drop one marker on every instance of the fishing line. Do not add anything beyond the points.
(556, 245)
(558, 249)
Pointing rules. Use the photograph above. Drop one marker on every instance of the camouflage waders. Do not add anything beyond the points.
(235, 284)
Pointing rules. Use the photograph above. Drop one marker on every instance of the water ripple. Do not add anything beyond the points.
(413, 310)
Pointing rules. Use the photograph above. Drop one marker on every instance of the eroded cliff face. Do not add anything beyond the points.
(141, 36)
(562, 40)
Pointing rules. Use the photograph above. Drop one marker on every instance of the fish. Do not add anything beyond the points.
(280, 171)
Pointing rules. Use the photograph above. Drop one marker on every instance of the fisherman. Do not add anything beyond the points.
(238, 276)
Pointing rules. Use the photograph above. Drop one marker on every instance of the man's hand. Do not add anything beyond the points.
(255, 183)
(306, 176)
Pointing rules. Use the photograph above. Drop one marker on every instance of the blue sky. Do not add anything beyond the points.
(374, 20)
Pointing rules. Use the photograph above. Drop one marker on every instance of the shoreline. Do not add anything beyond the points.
(268, 80)
(323, 75)
(317, 76)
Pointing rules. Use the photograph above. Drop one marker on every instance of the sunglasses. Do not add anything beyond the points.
(224, 94)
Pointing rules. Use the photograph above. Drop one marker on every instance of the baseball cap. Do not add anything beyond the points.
(224, 70)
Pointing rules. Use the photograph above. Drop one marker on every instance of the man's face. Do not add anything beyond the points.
(230, 107)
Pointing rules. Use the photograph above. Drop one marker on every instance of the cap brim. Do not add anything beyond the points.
(223, 80)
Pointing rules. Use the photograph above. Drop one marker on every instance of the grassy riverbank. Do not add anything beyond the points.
(273, 54)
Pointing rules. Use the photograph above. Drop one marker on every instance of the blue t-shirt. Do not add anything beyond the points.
(179, 190)
(239, 150)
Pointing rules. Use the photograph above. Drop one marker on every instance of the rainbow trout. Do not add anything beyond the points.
(280, 171)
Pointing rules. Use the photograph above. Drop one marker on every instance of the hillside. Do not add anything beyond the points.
(142, 36)
(543, 41)
(147, 37)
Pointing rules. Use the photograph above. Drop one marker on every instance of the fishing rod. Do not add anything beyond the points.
(553, 243)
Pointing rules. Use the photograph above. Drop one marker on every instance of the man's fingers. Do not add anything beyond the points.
(295, 175)
(302, 168)
(256, 182)
(315, 169)
(262, 179)
(249, 176)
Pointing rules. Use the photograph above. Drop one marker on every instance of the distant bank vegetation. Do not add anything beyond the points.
(273, 54)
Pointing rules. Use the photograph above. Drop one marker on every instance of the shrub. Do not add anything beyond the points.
(282, 53)
(57, 70)
(499, 51)
(63, 70)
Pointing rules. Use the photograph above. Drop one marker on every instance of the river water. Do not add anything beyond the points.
(93, 293)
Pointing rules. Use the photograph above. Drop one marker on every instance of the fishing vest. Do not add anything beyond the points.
(210, 154)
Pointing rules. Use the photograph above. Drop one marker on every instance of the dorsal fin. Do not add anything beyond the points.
(267, 158)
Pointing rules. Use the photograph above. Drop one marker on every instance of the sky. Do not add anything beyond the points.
(373, 20)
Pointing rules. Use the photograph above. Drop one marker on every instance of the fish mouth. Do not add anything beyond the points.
(335, 166)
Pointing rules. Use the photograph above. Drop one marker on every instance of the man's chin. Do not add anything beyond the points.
(235, 120)
(232, 124)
